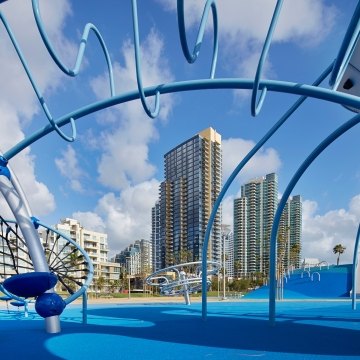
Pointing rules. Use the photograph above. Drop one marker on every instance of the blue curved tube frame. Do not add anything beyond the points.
(355, 268)
(233, 175)
(304, 166)
(204, 84)
(346, 48)
(256, 106)
(191, 58)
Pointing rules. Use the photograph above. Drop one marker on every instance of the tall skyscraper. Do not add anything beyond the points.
(136, 259)
(193, 172)
(254, 213)
(155, 237)
(253, 216)
(227, 249)
(289, 234)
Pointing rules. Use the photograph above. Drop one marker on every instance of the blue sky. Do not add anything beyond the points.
(109, 177)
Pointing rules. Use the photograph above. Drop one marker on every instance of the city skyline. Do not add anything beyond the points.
(108, 179)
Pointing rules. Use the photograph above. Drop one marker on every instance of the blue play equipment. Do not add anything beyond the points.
(344, 90)
(69, 266)
(332, 282)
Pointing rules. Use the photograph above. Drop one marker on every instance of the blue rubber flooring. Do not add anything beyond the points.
(233, 330)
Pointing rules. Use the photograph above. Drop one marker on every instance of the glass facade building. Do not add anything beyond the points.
(193, 174)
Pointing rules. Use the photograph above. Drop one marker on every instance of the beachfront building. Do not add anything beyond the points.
(254, 212)
(136, 259)
(155, 237)
(290, 233)
(193, 172)
(94, 243)
(227, 250)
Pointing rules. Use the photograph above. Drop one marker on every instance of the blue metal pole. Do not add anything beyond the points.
(256, 106)
(355, 268)
(308, 161)
(346, 48)
(150, 113)
(232, 177)
(203, 84)
(191, 58)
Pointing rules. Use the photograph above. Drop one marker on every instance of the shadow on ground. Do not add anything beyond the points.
(179, 329)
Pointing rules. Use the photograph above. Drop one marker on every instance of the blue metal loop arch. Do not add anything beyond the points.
(191, 57)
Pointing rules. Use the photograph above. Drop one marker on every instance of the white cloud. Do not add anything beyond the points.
(264, 162)
(18, 103)
(90, 220)
(322, 232)
(69, 167)
(228, 210)
(125, 218)
(45, 72)
(125, 146)
(243, 26)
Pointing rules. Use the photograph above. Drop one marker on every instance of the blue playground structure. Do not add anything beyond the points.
(47, 264)
(318, 282)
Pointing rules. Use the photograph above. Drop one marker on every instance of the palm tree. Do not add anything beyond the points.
(295, 254)
(100, 283)
(237, 268)
(338, 249)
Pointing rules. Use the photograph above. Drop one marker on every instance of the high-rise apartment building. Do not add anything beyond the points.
(155, 237)
(193, 172)
(227, 249)
(253, 216)
(289, 234)
(254, 213)
(136, 259)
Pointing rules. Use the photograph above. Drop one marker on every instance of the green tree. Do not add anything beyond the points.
(338, 249)
(237, 268)
(294, 254)
(100, 283)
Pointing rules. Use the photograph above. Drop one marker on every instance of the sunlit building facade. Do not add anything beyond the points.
(254, 214)
(193, 172)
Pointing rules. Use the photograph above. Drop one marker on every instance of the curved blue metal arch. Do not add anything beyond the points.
(355, 268)
(236, 171)
(346, 48)
(256, 106)
(191, 58)
(205, 84)
(304, 166)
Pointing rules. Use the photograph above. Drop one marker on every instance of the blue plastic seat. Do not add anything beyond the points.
(30, 284)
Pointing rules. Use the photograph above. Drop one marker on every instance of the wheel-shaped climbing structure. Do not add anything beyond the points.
(71, 270)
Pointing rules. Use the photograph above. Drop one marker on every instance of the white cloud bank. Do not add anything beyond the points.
(69, 167)
(125, 142)
(125, 217)
(322, 232)
(18, 104)
(124, 166)
(243, 26)
(266, 160)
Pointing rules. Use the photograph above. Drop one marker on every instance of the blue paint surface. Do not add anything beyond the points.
(335, 282)
(233, 330)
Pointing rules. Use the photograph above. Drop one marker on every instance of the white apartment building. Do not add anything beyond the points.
(96, 246)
